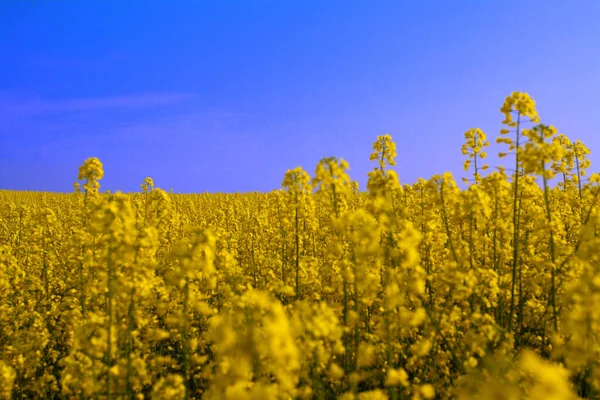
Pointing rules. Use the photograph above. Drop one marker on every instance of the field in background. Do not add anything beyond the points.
(317, 290)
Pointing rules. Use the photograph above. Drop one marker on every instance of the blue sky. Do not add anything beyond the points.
(228, 95)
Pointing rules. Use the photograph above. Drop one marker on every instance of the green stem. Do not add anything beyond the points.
(552, 249)
(109, 311)
(515, 226)
(297, 253)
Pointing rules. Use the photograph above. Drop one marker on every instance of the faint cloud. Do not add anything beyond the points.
(22, 56)
(19, 106)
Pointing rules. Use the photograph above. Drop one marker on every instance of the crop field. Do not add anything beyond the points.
(487, 289)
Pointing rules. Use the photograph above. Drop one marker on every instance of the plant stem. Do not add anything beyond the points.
(515, 226)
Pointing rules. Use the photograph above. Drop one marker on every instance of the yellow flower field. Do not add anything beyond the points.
(318, 290)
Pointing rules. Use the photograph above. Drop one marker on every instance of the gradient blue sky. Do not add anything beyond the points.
(228, 95)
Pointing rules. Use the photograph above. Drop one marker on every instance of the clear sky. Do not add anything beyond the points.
(228, 95)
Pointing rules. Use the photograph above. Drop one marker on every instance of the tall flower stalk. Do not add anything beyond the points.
(523, 106)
